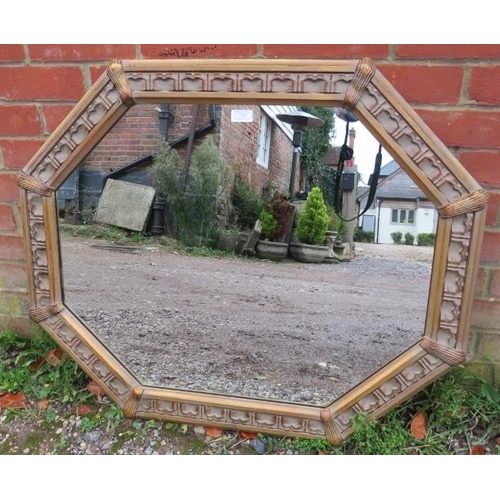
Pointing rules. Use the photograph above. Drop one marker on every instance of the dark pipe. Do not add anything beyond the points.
(164, 118)
(158, 218)
(378, 220)
(158, 222)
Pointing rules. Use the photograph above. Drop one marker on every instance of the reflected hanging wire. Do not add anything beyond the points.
(346, 154)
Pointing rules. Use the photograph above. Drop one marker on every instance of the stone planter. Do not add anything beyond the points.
(332, 235)
(313, 254)
(339, 248)
(272, 250)
(330, 241)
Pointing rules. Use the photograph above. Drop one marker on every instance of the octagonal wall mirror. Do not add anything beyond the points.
(290, 332)
(356, 86)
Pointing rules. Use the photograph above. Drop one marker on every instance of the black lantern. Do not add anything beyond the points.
(300, 121)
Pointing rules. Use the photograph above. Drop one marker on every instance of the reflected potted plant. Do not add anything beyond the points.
(276, 218)
(311, 230)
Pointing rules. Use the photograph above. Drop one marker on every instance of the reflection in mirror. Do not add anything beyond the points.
(243, 326)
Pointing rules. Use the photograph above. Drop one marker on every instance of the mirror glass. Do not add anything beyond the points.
(238, 324)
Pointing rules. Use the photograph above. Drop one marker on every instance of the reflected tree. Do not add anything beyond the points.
(316, 143)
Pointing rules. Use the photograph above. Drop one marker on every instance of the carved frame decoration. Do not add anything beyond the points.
(356, 85)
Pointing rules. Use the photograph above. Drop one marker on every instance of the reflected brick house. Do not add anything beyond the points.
(251, 140)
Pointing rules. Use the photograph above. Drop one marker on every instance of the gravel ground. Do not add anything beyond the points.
(285, 331)
(217, 304)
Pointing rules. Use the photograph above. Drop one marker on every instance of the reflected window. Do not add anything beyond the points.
(403, 216)
(264, 141)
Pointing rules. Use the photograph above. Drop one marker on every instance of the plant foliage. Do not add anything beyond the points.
(426, 239)
(165, 176)
(246, 202)
(409, 238)
(277, 217)
(397, 237)
(269, 222)
(315, 144)
(313, 220)
(209, 177)
(363, 236)
(336, 223)
(23, 368)
(193, 206)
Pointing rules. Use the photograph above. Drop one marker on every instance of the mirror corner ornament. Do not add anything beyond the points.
(356, 85)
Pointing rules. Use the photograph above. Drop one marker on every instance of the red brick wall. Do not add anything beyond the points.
(137, 135)
(455, 88)
(239, 143)
(133, 137)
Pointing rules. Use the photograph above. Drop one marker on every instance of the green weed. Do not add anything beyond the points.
(387, 436)
(60, 446)
(88, 424)
(113, 416)
(307, 446)
(246, 201)
(98, 231)
(19, 356)
(461, 410)
(49, 416)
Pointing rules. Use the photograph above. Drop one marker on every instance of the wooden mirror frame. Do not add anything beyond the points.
(355, 85)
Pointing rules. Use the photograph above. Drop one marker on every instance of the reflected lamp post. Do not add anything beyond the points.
(299, 121)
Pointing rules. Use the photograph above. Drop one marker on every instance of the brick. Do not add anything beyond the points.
(488, 346)
(54, 115)
(96, 72)
(41, 83)
(426, 84)
(338, 51)
(182, 51)
(21, 324)
(453, 51)
(7, 221)
(481, 279)
(490, 248)
(483, 370)
(483, 166)
(469, 129)
(493, 209)
(134, 136)
(11, 53)
(13, 305)
(486, 314)
(85, 52)
(495, 284)
(11, 248)
(19, 120)
(484, 85)
(12, 276)
(9, 190)
(18, 152)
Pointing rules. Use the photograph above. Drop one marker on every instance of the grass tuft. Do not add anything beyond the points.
(19, 370)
